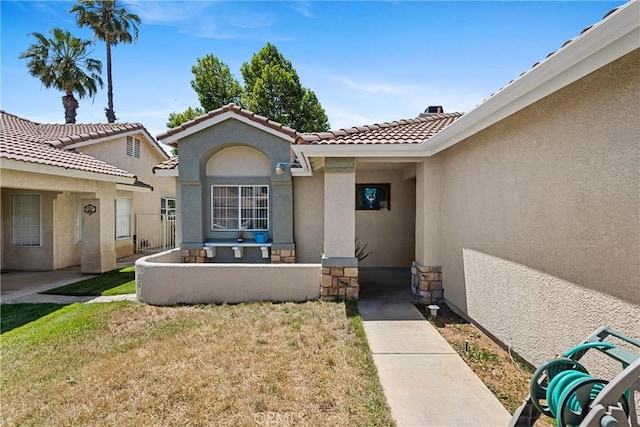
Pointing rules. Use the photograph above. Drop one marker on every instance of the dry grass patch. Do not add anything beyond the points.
(249, 364)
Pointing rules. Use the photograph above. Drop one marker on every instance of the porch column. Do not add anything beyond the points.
(426, 271)
(339, 264)
(98, 236)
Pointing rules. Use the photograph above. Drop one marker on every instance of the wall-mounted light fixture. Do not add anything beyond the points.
(281, 166)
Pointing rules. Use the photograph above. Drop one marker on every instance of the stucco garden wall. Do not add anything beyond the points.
(541, 216)
(308, 208)
(162, 279)
(390, 234)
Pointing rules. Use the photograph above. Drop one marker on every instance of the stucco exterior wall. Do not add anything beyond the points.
(114, 152)
(390, 234)
(29, 258)
(308, 208)
(198, 149)
(66, 251)
(58, 219)
(162, 279)
(541, 216)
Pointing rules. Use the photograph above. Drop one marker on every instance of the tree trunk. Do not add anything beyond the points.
(70, 105)
(111, 115)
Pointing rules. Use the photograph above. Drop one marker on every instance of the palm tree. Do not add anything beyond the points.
(112, 24)
(63, 62)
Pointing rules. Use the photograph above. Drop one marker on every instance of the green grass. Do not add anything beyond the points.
(126, 363)
(116, 282)
(15, 315)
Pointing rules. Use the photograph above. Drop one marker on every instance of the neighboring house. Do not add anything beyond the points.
(71, 193)
(525, 210)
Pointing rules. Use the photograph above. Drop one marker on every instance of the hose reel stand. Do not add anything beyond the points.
(563, 389)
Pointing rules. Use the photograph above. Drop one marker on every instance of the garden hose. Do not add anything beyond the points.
(567, 387)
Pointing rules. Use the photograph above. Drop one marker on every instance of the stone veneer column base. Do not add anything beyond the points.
(339, 283)
(283, 256)
(193, 255)
(426, 283)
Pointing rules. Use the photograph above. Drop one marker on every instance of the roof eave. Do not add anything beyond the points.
(305, 151)
(174, 138)
(605, 42)
(33, 167)
(166, 172)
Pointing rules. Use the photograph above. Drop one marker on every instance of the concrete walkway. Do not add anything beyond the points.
(24, 286)
(425, 381)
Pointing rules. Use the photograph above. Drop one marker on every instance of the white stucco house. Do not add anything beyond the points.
(523, 209)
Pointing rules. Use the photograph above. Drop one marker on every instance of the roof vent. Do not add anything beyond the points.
(432, 110)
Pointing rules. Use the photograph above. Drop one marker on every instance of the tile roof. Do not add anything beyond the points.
(237, 110)
(170, 164)
(22, 140)
(408, 131)
(58, 135)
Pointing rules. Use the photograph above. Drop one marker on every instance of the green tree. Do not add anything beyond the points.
(214, 83)
(63, 62)
(111, 23)
(176, 119)
(272, 89)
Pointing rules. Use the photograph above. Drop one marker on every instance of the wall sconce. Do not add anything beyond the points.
(281, 166)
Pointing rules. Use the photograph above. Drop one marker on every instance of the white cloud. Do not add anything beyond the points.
(303, 8)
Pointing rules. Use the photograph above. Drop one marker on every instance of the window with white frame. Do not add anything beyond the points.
(123, 218)
(26, 225)
(133, 147)
(239, 207)
(168, 207)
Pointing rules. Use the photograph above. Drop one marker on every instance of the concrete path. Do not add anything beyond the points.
(24, 286)
(68, 299)
(425, 381)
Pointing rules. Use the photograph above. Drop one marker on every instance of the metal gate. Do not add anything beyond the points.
(155, 232)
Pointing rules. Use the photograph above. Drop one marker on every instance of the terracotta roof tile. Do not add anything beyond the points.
(172, 163)
(23, 140)
(237, 110)
(406, 131)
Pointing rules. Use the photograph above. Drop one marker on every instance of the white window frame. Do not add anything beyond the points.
(165, 210)
(133, 147)
(245, 217)
(20, 222)
(121, 219)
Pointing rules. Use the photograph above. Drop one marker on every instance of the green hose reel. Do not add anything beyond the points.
(567, 388)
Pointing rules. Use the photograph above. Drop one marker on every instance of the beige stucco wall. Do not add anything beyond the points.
(162, 279)
(28, 258)
(66, 251)
(238, 161)
(308, 218)
(114, 152)
(541, 216)
(59, 249)
(390, 234)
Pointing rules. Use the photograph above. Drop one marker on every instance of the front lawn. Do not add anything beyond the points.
(116, 282)
(127, 363)
(15, 315)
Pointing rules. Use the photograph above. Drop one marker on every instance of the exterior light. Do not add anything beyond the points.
(280, 167)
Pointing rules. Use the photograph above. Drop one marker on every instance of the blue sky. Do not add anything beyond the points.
(367, 62)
